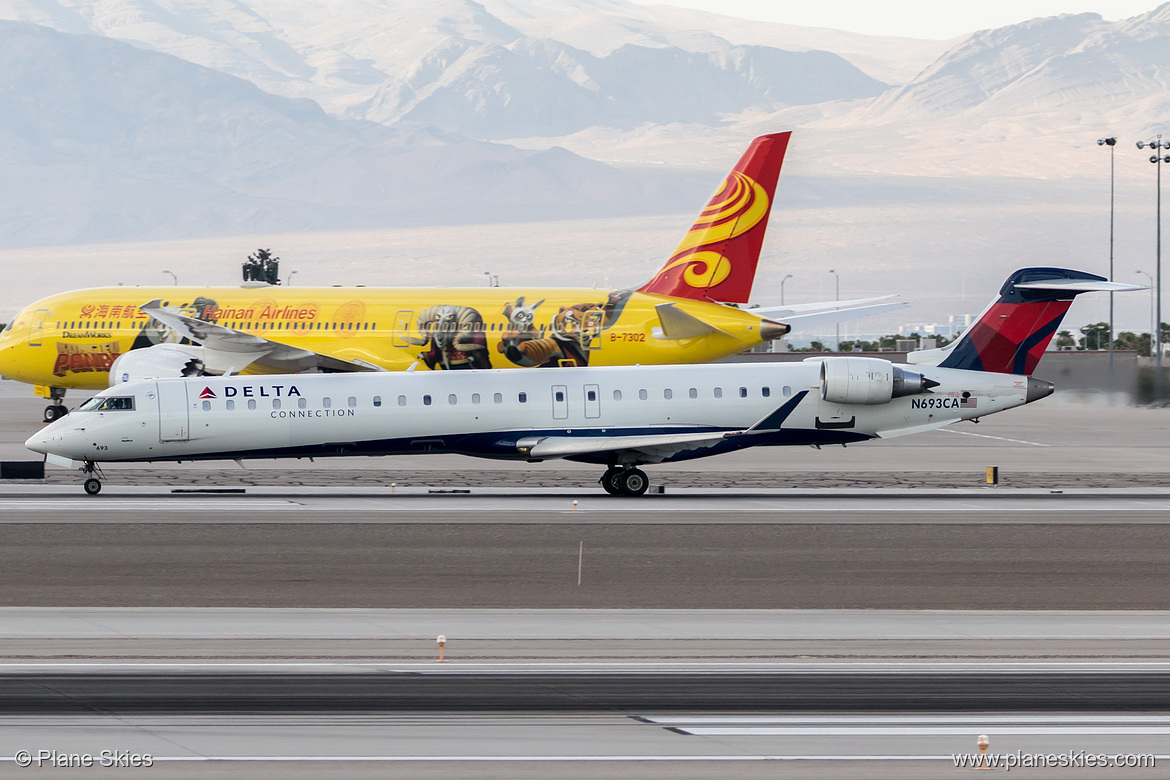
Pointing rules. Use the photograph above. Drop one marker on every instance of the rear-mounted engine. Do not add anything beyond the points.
(850, 380)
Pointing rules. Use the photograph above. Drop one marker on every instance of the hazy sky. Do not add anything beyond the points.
(912, 18)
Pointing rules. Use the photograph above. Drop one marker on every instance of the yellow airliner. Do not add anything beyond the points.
(89, 339)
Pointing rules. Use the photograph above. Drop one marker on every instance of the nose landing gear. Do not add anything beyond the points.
(56, 410)
(93, 484)
(619, 481)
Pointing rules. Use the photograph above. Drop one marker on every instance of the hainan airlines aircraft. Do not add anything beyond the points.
(95, 338)
(621, 417)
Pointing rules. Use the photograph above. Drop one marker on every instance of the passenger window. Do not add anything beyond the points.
(693, 392)
(352, 402)
(765, 391)
(451, 399)
(498, 398)
(327, 402)
(275, 403)
(475, 398)
(377, 400)
(207, 406)
(302, 402)
(743, 392)
(231, 405)
(617, 395)
(642, 395)
(668, 394)
(718, 392)
(787, 390)
(426, 400)
(402, 400)
(251, 403)
(524, 398)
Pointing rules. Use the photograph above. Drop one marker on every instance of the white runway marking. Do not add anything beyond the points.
(525, 758)
(916, 730)
(997, 438)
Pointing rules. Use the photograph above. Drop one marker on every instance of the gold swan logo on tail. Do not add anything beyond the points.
(737, 207)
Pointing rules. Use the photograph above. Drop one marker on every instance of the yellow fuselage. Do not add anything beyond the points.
(71, 339)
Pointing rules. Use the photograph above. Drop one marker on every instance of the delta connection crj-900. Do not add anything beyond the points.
(619, 417)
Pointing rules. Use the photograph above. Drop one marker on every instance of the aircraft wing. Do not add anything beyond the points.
(801, 316)
(657, 447)
(226, 349)
(773, 312)
(818, 319)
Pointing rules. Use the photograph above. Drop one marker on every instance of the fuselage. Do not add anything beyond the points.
(501, 414)
(70, 340)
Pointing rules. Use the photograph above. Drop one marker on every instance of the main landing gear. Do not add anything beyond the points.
(93, 484)
(619, 481)
(56, 410)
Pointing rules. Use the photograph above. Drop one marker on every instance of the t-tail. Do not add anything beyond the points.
(1012, 333)
(717, 259)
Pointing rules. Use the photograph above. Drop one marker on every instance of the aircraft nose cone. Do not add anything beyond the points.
(38, 442)
(1039, 388)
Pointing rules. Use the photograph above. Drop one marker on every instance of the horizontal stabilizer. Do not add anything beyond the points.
(677, 324)
(226, 349)
(1079, 286)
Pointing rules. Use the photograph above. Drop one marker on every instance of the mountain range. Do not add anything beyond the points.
(135, 119)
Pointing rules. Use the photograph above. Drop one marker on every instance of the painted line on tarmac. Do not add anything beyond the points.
(997, 438)
(908, 730)
(523, 758)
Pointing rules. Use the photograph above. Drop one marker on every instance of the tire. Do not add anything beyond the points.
(93, 486)
(53, 412)
(633, 482)
(609, 481)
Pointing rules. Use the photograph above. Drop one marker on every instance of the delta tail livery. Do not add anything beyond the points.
(619, 417)
(100, 337)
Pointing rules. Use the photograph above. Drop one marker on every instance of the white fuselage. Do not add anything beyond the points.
(502, 414)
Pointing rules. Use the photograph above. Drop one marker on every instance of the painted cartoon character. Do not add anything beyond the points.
(454, 337)
(570, 336)
(521, 343)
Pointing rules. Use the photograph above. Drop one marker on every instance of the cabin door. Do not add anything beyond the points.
(173, 411)
(560, 402)
(37, 333)
(402, 333)
(592, 402)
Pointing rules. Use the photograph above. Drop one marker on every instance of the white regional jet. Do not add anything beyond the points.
(622, 417)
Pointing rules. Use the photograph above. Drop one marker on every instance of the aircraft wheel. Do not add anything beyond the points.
(633, 482)
(54, 412)
(609, 481)
(93, 486)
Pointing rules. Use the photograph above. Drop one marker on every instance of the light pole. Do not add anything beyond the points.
(1156, 336)
(1110, 142)
(782, 281)
(1143, 273)
(837, 279)
(172, 273)
(493, 280)
(290, 276)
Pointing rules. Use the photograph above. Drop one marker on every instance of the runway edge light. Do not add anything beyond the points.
(441, 642)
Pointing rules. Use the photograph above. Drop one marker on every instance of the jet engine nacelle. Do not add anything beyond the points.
(162, 361)
(850, 380)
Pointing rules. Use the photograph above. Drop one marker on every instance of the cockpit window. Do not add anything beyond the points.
(110, 404)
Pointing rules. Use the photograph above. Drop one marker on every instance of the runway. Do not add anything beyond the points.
(834, 550)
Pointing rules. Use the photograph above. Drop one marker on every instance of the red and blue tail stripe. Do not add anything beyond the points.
(1011, 336)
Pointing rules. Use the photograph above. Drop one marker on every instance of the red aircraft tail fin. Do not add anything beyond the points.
(717, 259)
